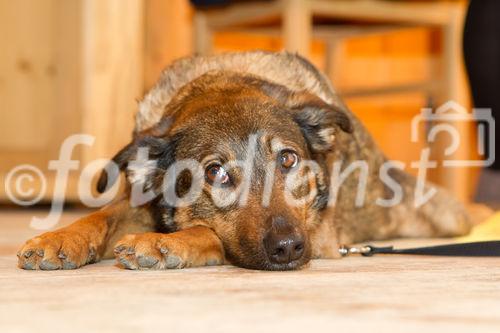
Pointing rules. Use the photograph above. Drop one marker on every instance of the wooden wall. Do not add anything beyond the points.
(67, 67)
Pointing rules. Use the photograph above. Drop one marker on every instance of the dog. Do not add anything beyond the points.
(212, 110)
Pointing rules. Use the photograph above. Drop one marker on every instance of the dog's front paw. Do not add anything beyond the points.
(150, 251)
(158, 251)
(56, 250)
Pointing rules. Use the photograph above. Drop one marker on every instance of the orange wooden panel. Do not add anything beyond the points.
(402, 57)
(388, 119)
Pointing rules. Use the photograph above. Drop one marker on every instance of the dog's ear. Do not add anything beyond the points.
(158, 146)
(318, 120)
(109, 175)
(319, 123)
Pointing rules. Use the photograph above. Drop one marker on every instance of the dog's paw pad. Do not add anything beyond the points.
(28, 254)
(49, 265)
(147, 261)
(28, 265)
(213, 262)
(173, 261)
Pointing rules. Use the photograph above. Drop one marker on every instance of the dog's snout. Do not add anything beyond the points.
(283, 244)
(282, 250)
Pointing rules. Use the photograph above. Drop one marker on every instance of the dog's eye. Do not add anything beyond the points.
(288, 159)
(217, 175)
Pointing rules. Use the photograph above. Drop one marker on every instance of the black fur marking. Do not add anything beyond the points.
(163, 216)
(162, 212)
(321, 200)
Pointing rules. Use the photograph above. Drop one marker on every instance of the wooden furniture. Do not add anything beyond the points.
(297, 30)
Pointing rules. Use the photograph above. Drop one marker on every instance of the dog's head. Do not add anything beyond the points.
(244, 157)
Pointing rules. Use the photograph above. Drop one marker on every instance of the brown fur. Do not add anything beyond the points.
(206, 109)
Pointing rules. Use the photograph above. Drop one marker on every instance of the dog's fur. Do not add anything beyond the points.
(206, 108)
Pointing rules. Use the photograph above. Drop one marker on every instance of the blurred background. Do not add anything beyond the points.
(79, 66)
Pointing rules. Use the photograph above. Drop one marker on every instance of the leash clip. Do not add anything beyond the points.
(345, 250)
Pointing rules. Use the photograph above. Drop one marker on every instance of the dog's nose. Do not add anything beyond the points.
(282, 243)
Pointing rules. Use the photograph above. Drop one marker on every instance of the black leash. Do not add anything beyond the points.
(473, 249)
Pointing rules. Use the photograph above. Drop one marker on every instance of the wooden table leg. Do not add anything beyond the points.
(297, 26)
(202, 35)
(456, 179)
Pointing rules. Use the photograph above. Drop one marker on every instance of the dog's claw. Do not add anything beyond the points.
(126, 263)
(119, 249)
(28, 253)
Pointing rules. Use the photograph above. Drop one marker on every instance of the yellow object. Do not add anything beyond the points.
(488, 230)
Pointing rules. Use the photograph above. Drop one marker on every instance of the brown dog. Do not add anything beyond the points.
(212, 111)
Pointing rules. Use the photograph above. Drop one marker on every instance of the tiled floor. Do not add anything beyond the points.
(382, 294)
